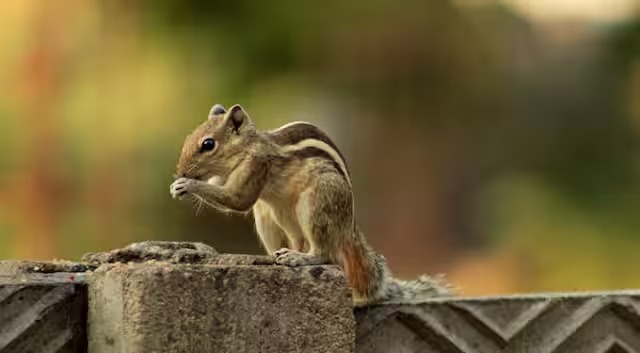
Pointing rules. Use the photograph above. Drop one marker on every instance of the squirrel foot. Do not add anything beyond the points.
(295, 258)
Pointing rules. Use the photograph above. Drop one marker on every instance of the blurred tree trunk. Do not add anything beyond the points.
(418, 200)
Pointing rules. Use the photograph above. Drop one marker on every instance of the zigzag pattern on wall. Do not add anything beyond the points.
(598, 323)
(42, 318)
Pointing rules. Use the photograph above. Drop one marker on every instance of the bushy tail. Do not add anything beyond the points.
(373, 283)
(391, 290)
(415, 291)
(358, 270)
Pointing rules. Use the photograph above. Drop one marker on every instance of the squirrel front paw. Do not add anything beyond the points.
(181, 187)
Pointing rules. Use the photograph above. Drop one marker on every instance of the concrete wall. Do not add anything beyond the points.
(228, 303)
(607, 322)
(41, 312)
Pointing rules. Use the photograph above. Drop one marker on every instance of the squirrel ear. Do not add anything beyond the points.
(216, 110)
(236, 117)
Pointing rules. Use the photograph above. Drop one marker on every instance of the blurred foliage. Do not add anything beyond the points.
(497, 148)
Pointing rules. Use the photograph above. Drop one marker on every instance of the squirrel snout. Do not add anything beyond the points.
(186, 173)
(193, 176)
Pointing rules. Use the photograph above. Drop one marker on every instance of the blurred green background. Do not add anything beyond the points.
(493, 140)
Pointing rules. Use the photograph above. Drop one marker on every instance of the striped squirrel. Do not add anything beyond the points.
(298, 185)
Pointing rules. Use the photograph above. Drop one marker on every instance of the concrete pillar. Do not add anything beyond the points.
(162, 307)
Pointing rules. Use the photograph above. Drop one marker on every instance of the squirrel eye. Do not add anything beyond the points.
(207, 145)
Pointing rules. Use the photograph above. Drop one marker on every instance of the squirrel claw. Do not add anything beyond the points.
(295, 258)
(281, 252)
(180, 187)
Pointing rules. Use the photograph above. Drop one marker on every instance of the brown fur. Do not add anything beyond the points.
(357, 269)
(300, 195)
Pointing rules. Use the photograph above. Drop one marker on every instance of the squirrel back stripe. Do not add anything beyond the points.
(316, 148)
(294, 133)
(312, 151)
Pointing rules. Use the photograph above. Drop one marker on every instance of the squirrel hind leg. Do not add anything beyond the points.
(325, 214)
(296, 258)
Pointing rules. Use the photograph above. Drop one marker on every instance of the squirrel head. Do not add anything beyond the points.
(218, 145)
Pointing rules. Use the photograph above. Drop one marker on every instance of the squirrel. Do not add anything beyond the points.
(297, 183)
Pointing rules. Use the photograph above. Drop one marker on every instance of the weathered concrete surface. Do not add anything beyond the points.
(42, 311)
(573, 322)
(162, 307)
(242, 303)
(17, 267)
(166, 251)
